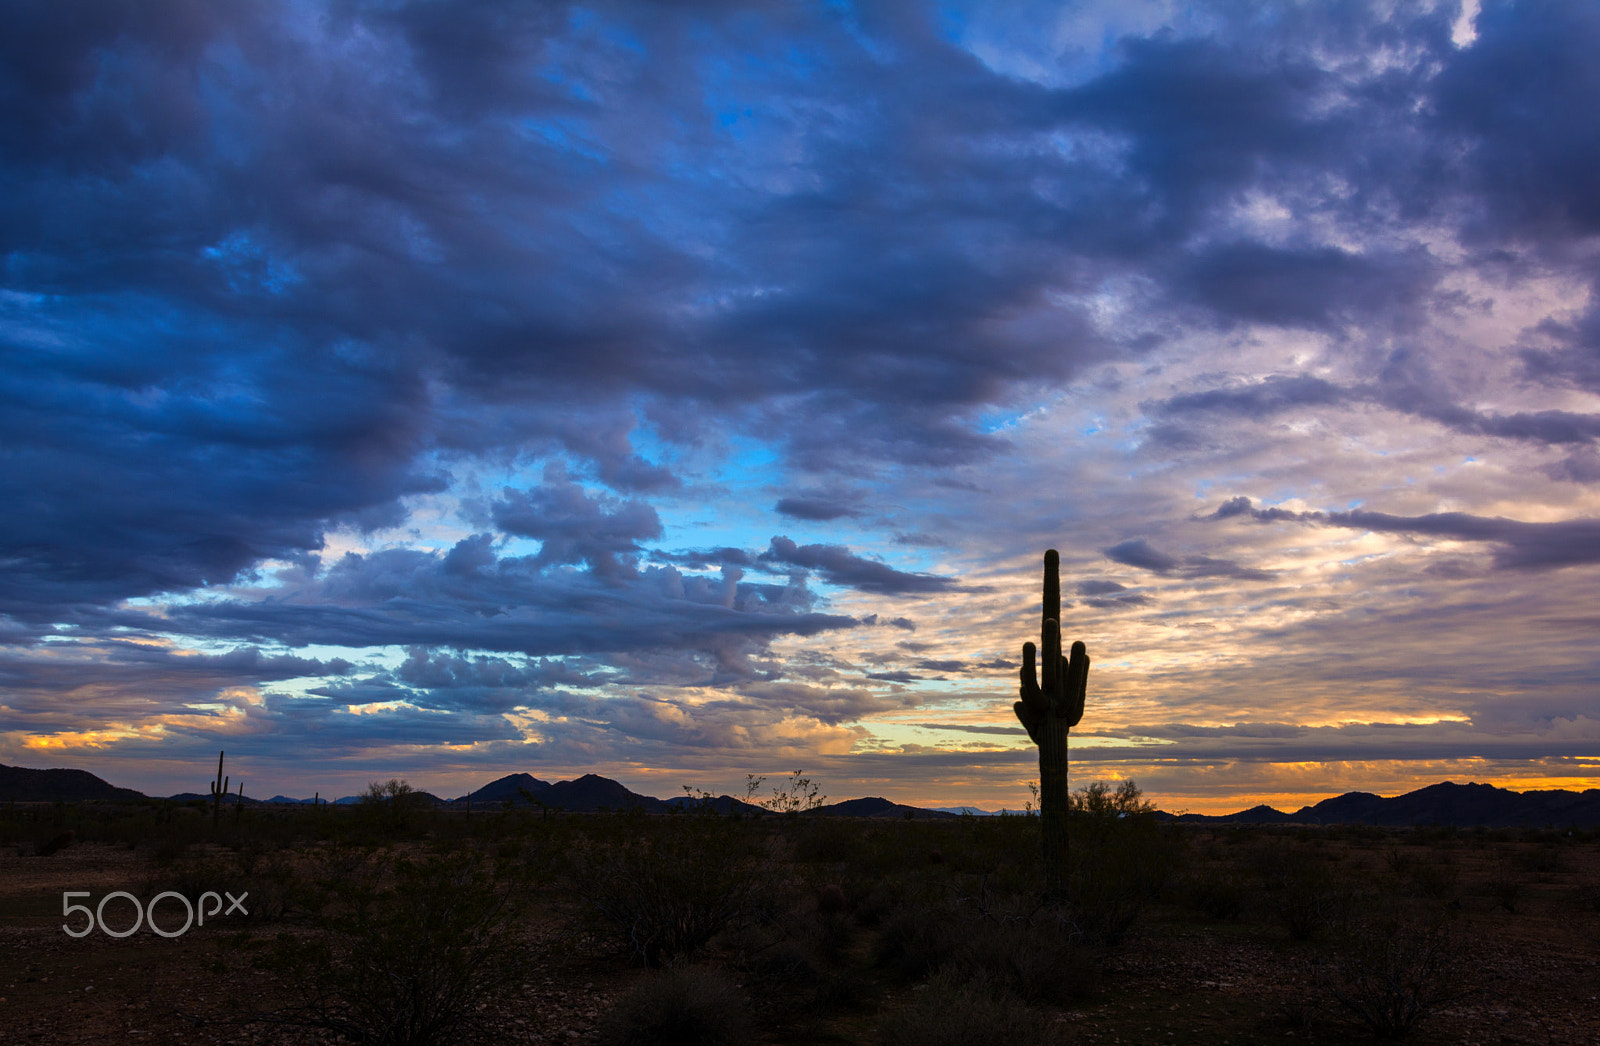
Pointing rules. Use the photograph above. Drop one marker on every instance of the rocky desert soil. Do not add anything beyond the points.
(1522, 920)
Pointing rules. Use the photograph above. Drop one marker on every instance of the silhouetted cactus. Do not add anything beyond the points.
(1048, 710)
(219, 788)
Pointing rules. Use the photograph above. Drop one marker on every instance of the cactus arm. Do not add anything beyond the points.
(1034, 706)
(1038, 705)
(1029, 721)
(1076, 673)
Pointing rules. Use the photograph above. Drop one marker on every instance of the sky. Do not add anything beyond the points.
(681, 392)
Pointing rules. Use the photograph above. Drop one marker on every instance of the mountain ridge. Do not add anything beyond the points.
(1445, 803)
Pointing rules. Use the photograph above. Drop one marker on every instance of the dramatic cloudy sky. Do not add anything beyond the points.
(682, 391)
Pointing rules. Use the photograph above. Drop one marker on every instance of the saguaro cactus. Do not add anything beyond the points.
(1048, 710)
(219, 788)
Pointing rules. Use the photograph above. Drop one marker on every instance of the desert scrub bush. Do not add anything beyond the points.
(1544, 859)
(1300, 889)
(1120, 860)
(1505, 885)
(829, 841)
(1438, 879)
(391, 807)
(1390, 971)
(52, 841)
(769, 953)
(1585, 895)
(679, 1006)
(407, 953)
(670, 887)
(951, 1010)
(1215, 893)
(917, 940)
(1039, 956)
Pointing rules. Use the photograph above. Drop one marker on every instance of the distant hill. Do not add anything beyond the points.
(20, 784)
(507, 787)
(1445, 804)
(588, 794)
(879, 807)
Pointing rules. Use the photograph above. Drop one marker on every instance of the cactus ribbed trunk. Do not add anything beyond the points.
(1049, 709)
(1054, 792)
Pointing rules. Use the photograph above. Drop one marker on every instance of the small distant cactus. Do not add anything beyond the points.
(219, 788)
(1048, 710)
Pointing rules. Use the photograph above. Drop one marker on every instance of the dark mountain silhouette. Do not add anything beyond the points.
(1262, 814)
(879, 807)
(587, 794)
(507, 787)
(1445, 804)
(231, 799)
(20, 784)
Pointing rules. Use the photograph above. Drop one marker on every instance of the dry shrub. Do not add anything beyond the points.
(1040, 960)
(666, 894)
(1390, 971)
(1216, 893)
(953, 1011)
(408, 954)
(54, 843)
(916, 941)
(1302, 892)
(680, 1006)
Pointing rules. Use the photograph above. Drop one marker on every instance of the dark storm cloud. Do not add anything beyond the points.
(443, 671)
(575, 527)
(325, 722)
(259, 264)
(109, 678)
(1523, 546)
(1405, 385)
(1304, 287)
(1507, 100)
(471, 599)
(839, 566)
(817, 506)
(1259, 399)
(1137, 552)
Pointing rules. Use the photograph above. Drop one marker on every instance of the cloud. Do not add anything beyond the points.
(1317, 287)
(1404, 386)
(816, 507)
(1523, 546)
(839, 566)
(1137, 552)
(574, 527)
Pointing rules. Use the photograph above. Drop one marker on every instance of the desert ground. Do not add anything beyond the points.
(519, 926)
